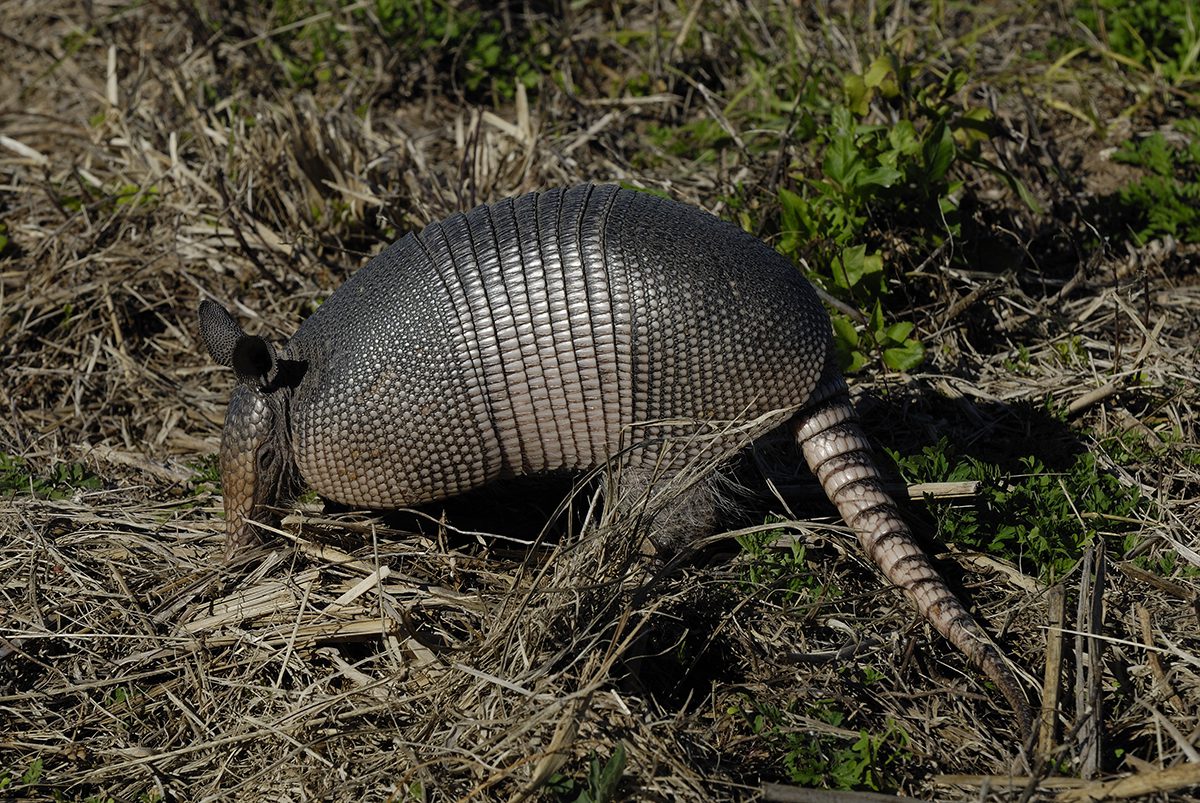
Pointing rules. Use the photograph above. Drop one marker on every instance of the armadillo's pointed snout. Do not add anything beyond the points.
(252, 466)
(239, 533)
(255, 448)
(239, 478)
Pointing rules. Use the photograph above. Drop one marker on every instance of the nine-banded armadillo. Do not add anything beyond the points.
(558, 330)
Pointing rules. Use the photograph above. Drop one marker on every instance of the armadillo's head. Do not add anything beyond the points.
(257, 466)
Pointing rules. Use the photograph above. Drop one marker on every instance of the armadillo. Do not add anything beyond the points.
(556, 331)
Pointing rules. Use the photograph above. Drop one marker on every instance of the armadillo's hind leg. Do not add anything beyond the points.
(839, 455)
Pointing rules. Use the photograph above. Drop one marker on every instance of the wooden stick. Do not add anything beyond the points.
(1052, 680)
(1094, 397)
(782, 793)
(1155, 662)
(1008, 781)
(1144, 783)
(1089, 660)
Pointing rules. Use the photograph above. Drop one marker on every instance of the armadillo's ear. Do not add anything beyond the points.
(220, 331)
(254, 360)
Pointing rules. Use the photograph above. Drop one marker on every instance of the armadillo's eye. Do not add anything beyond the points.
(265, 460)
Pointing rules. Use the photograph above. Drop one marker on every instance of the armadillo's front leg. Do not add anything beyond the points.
(838, 453)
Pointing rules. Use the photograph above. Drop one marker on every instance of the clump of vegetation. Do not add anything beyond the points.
(206, 472)
(598, 786)
(781, 576)
(309, 42)
(1035, 517)
(907, 175)
(1162, 36)
(29, 784)
(1167, 201)
(816, 759)
(62, 481)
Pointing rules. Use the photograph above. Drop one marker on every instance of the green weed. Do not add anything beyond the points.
(600, 785)
(61, 481)
(903, 175)
(107, 200)
(783, 576)
(698, 140)
(485, 57)
(1035, 517)
(1070, 350)
(206, 473)
(1021, 365)
(467, 43)
(31, 786)
(814, 759)
(30, 776)
(1162, 36)
(1167, 201)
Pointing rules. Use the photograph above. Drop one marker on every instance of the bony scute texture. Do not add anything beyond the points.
(559, 330)
(541, 333)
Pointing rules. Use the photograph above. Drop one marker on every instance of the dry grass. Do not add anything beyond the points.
(147, 161)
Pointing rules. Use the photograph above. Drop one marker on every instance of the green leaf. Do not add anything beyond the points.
(848, 266)
(602, 783)
(796, 226)
(898, 332)
(975, 125)
(903, 138)
(880, 68)
(790, 204)
(906, 357)
(853, 264)
(845, 345)
(33, 773)
(1014, 183)
(875, 322)
(858, 95)
(842, 160)
(947, 204)
(938, 152)
(880, 176)
(850, 361)
(844, 331)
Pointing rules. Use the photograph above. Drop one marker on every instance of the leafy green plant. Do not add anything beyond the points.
(784, 573)
(467, 42)
(1167, 201)
(815, 759)
(904, 173)
(894, 342)
(1158, 35)
(32, 787)
(31, 775)
(699, 140)
(60, 482)
(600, 785)
(206, 472)
(308, 40)
(1035, 516)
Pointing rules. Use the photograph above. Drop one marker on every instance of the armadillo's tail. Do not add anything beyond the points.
(838, 453)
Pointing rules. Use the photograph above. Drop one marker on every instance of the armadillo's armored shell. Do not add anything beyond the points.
(544, 332)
